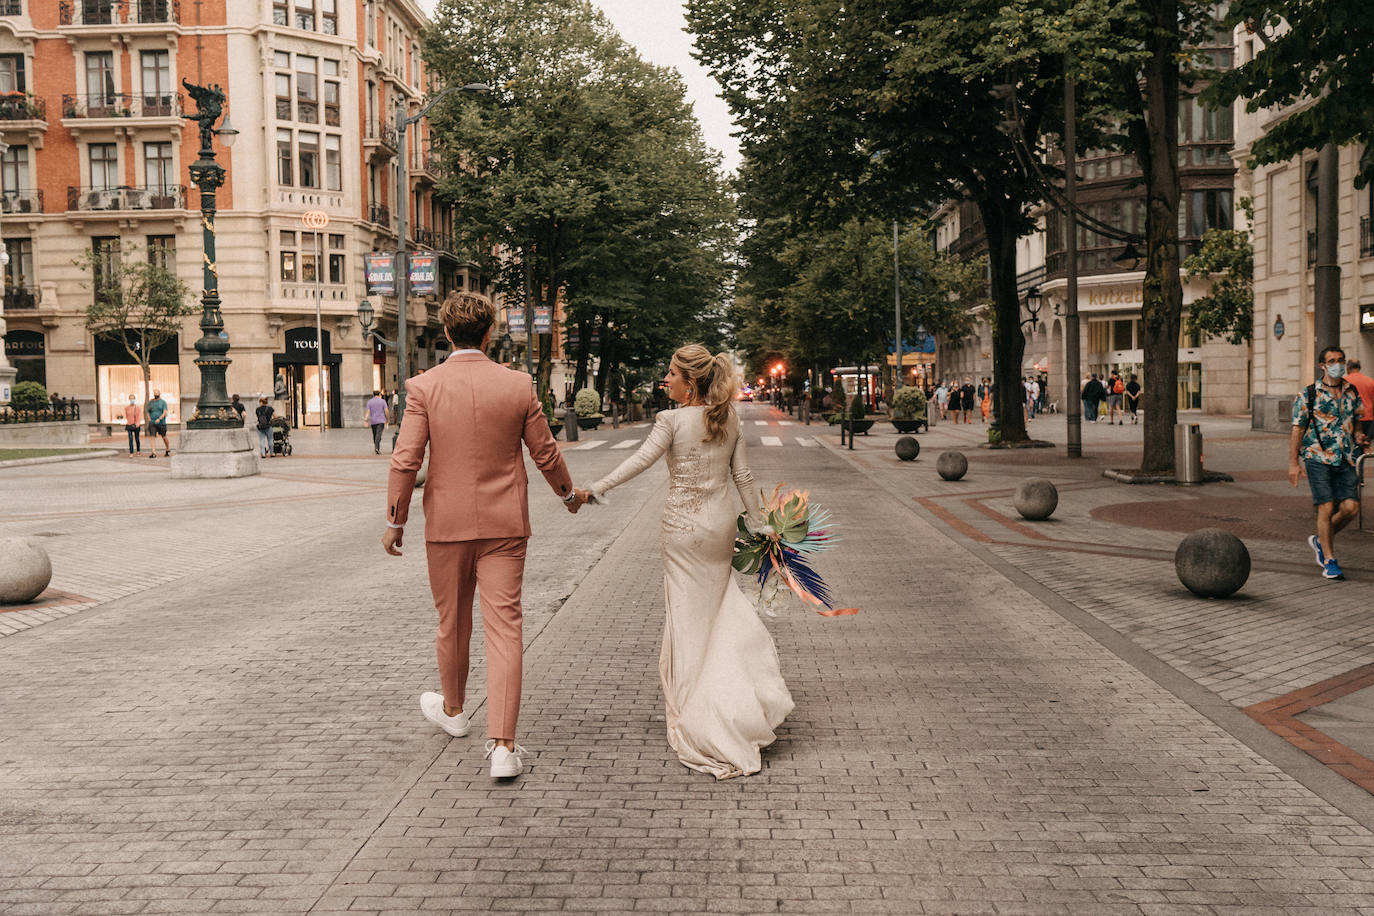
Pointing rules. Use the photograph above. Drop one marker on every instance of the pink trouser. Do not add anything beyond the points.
(496, 568)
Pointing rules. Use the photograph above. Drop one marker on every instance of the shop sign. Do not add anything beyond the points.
(1116, 295)
(111, 351)
(1367, 317)
(422, 271)
(1279, 328)
(22, 344)
(543, 320)
(301, 345)
(381, 274)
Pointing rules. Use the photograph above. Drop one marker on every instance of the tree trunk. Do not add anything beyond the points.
(1162, 308)
(1008, 344)
(584, 348)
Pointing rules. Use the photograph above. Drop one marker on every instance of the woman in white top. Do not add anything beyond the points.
(723, 690)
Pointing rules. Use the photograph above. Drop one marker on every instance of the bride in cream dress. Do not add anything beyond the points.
(723, 691)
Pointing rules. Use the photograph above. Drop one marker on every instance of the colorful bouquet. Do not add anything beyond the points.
(794, 528)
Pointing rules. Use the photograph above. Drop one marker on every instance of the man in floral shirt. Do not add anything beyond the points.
(1325, 441)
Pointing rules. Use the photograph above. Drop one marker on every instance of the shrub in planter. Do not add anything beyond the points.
(908, 409)
(29, 396)
(587, 403)
(856, 408)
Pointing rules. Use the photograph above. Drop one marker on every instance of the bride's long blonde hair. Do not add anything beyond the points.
(713, 383)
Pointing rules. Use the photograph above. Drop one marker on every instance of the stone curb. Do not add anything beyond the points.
(1132, 477)
(53, 459)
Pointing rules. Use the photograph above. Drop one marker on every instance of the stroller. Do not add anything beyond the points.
(281, 439)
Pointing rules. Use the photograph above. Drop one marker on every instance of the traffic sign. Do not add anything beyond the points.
(315, 219)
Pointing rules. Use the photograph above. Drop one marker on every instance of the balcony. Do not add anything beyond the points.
(1366, 237)
(19, 299)
(11, 7)
(379, 214)
(126, 199)
(426, 165)
(122, 105)
(20, 106)
(379, 139)
(118, 12)
(21, 200)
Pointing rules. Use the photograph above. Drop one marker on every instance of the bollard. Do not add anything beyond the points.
(570, 428)
(615, 416)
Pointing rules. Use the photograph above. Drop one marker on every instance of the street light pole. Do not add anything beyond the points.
(402, 259)
(1071, 371)
(897, 302)
(7, 372)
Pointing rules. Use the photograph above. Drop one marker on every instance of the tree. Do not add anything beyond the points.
(138, 302)
(1320, 52)
(1227, 258)
(587, 167)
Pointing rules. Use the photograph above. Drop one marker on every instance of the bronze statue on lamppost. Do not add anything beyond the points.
(212, 407)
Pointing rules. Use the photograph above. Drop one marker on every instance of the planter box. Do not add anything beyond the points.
(51, 432)
(555, 428)
(909, 426)
(859, 426)
(589, 422)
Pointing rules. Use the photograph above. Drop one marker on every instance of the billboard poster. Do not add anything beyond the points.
(543, 320)
(381, 274)
(515, 320)
(422, 270)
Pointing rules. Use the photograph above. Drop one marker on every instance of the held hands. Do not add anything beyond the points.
(391, 541)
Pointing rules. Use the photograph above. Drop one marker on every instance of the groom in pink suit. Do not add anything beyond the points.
(473, 414)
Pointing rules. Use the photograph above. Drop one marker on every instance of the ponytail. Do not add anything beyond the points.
(714, 384)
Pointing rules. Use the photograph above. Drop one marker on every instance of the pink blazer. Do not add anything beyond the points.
(473, 415)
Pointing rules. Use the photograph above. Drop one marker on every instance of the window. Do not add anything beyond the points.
(1201, 124)
(156, 83)
(329, 17)
(307, 89)
(288, 256)
(14, 169)
(280, 13)
(284, 158)
(104, 263)
(333, 163)
(305, 15)
(11, 73)
(309, 257)
(370, 102)
(100, 79)
(1121, 334)
(283, 96)
(336, 259)
(19, 271)
(1206, 210)
(370, 24)
(308, 155)
(162, 251)
(331, 93)
(158, 173)
(104, 166)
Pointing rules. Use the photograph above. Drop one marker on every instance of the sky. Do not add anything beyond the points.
(657, 29)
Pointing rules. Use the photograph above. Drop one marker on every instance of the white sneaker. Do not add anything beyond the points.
(432, 705)
(505, 764)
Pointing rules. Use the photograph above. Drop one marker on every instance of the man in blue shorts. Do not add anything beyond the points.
(157, 424)
(1325, 442)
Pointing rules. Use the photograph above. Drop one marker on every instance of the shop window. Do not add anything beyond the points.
(1121, 334)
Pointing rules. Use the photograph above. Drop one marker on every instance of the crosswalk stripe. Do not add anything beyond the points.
(760, 422)
(784, 422)
(628, 443)
(595, 443)
(807, 442)
(771, 440)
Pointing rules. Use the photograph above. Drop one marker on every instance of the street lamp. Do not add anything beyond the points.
(1033, 301)
(212, 407)
(402, 262)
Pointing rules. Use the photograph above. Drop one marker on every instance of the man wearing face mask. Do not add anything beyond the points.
(1325, 441)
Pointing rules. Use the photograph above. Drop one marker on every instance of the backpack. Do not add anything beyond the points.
(1118, 387)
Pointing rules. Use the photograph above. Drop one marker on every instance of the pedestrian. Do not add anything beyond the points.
(942, 400)
(264, 413)
(967, 393)
(474, 449)
(377, 417)
(239, 409)
(1044, 382)
(1033, 396)
(985, 400)
(132, 420)
(1365, 386)
(1324, 444)
(1092, 398)
(157, 425)
(1133, 399)
(1115, 389)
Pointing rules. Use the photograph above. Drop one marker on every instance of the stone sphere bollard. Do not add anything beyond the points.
(1036, 499)
(951, 465)
(908, 448)
(25, 570)
(1212, 563)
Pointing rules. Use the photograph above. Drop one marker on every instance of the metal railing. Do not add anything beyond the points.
(118, 12)
(122, 105)
(152, 197)
(427, 162)
(379, 213)
(22, 200)
(380, 131)
(60, 409)
(19, 298)
(11, 7)
(20, 106)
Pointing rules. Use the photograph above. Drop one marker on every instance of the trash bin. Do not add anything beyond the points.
(1188, 453)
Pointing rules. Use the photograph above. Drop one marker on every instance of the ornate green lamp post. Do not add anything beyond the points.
(213, 444)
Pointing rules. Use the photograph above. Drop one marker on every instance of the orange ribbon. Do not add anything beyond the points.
(839, 612)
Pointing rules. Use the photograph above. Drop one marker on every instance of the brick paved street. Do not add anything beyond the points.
(1021, 719)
